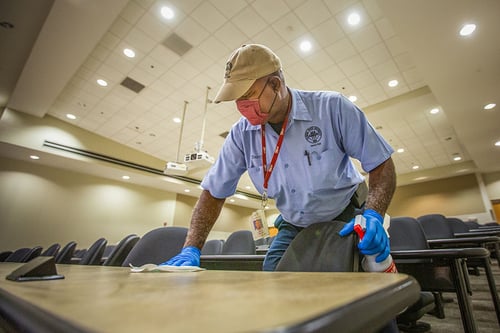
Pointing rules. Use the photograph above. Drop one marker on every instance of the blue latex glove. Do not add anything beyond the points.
(375, 240)
(189, 256)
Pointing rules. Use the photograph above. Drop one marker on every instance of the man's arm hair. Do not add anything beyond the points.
(205, 213)
(382, 184)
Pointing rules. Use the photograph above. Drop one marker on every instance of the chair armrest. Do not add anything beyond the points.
(476, 234)
(463, 241)
(248, 262)
(451, 253)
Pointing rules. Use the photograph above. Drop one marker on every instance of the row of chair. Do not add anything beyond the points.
(438, 254)
(155, 246)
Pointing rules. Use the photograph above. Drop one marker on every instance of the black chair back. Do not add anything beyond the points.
(64, 256)
(457, 225)
(52, 250)
(319, 248)
(157, 246)
(94, 254)
(435, 226)
(212, 247)
(239, 242)
(121, 251)
(4, 255)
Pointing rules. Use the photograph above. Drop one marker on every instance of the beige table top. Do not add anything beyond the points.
(112, 299)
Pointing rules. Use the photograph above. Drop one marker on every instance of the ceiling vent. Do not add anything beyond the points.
(177, 44)
(132, 85)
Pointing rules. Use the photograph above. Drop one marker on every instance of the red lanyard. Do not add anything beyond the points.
(267, 171)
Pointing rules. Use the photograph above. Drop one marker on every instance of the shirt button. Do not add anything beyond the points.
(286, 165)
(301, 213)
(293, 190)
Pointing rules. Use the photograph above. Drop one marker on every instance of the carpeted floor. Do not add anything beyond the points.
(484, 311)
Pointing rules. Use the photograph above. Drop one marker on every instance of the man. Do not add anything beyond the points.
(296, 146)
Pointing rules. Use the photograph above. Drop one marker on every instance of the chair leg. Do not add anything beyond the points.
(438, 310)
(497, 252)
(466, 277)
(493, 288)
(463, 298)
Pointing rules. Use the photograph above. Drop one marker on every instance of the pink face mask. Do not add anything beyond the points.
(250, 109)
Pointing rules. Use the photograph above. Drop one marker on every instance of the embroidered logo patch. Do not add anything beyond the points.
(313, 134)
(229, 66)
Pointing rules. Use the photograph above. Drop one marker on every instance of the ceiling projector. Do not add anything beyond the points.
(199, 159)
(177, 169)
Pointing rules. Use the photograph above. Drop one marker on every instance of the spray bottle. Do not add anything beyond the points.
(368, 263)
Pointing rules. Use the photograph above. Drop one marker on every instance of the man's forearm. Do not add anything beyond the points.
(382, 183)
(205, 214)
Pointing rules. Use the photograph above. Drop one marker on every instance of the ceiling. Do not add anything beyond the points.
(57, 50)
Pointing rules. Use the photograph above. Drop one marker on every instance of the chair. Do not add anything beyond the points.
(319, 248)
(239, 242)
(24, 254)
(212, 247)
(52, 250)
(64, 256)
(121, 251)
(157, 246)
(107, 251)
(436, 270)
(4, 255)
(94, 253)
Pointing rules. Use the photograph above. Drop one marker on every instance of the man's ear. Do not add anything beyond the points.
(275, 83)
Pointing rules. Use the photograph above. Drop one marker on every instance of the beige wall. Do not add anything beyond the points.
(492, 184)
(232, 218)
(451, 196)
(42, 205)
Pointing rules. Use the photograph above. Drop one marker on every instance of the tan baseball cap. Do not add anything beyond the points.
(245, 65)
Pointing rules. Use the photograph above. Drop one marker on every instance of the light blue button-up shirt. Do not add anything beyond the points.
(323, 125)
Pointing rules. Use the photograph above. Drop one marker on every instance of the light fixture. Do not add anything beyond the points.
(34, 157)
(353, 98)
(467, 29)
(305, 46)
(70, 116)
(102, 83)
(420, 178)
(497, 143)
(415, 167)
(177, 120)
(129, 53)
(434, 111)
(353, 19)
(393, 83)
(231, 200)
(457, 157)
(187, 190)
(489, 106)
(167, 12)
(401, 150)
(126, 177)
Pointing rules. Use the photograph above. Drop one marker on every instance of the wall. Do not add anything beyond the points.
(456, 196)
(42, 205)
(492, 183)
(232, 218)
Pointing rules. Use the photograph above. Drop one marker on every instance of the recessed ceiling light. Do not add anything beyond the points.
(129, 53)
(353, 19)
(393, 83)
(457, 158)
(434, 111)
(34, 157)
(420, 178)
(177, 120)
(248, 187)
(353, 98)
(167, 12)
(102, 83)
(401, 150)
(71, 116)
(305, 46)
(415, 167)
(489, 106)
(125, 177)
(497, 143)
(231, 200)
(187, 190)
(467, 29)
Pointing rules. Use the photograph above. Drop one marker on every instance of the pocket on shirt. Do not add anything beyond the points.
(321, 173)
